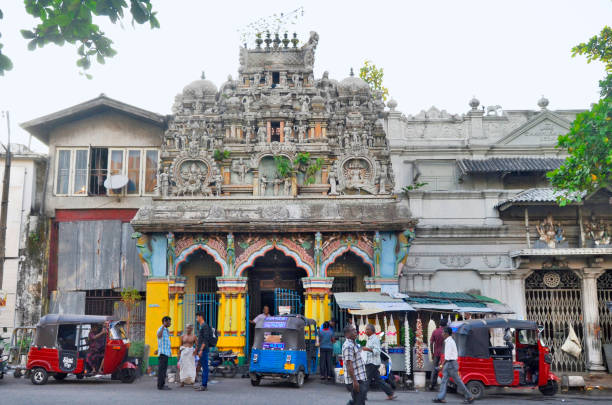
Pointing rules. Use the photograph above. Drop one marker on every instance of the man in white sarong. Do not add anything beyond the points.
(187, 364)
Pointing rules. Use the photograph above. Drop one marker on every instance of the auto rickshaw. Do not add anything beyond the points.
(284, 348)
(61, 346)
(483, 365)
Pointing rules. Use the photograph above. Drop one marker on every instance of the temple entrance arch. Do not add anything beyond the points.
(269, 272)
(349, 272)
(274, 269)
(200, 271)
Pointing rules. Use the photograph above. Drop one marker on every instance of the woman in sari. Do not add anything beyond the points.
(97, 344)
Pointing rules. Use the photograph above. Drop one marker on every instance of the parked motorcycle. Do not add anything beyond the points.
(223, 363)
(3, 359)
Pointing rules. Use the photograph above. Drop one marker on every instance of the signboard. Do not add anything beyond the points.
(3, 299)
(275, 322)
(273, 346)
(284, 310)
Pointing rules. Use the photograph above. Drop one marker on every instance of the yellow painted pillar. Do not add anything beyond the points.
(157, 306)
(232, 315)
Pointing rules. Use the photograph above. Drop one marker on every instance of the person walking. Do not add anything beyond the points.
(450, 369)
(164, 352)
(372, 362)
(326, 348)
(354, 367)
(436, 346)
(204, 337)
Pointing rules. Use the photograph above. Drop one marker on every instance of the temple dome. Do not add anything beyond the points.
(353, 86)
(200, 87)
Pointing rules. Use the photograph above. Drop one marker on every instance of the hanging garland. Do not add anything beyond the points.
(420, 361)
(407, 345)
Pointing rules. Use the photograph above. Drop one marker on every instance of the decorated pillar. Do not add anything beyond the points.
(592, 340)
(231, 321)
(317, 295)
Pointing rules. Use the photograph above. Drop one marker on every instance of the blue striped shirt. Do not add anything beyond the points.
(163, 343)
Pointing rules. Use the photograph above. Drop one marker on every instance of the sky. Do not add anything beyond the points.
(434, 53)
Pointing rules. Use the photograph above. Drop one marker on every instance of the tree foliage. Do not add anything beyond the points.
(72, 21)
(374, 77)
(589, 164)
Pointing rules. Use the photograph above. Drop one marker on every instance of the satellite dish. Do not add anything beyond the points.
(116, 181)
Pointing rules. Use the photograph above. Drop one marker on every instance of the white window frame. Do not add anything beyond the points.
(71, 172)
(124, 170)
(143, 179)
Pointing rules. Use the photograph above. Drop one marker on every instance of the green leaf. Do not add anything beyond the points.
(5, 64)
(27, 34)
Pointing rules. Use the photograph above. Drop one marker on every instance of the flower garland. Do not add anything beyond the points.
(407, 345)
(420, 361)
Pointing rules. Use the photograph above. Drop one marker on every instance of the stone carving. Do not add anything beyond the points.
(551, 234)
(241, 168)
(492, 261)
(494, 110)
(318, 252)
(164, 181)
(404, 241)
(145, 253)
(597, 231)
(338, 121)
(231, 253)
(455, 261)
(333, 182)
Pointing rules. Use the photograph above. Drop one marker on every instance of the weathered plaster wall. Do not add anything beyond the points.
(109, 129)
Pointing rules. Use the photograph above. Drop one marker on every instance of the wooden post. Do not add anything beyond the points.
(5, 194)
(527, 228)
(581, 226)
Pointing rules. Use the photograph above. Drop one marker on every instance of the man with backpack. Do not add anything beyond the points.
(206, 339)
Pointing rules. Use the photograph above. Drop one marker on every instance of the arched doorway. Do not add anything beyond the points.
(200, 271)
(269, 272)
(348, 271)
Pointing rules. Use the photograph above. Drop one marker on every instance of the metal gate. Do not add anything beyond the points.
(554, 300)
(205, 303)
(604, 295)
(288, 298)
(247, 311)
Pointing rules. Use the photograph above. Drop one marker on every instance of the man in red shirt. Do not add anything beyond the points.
(436, 345)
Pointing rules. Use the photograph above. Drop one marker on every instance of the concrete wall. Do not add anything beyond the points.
(22, 188)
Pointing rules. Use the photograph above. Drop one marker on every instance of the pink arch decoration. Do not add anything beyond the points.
(182, 258)
(259, 253)
(329, 260)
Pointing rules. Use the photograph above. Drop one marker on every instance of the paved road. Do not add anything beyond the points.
(238, 391)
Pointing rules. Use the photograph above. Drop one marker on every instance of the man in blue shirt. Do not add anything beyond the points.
(164, 352)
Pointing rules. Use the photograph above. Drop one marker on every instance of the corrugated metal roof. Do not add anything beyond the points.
(531, 195)
(494, 165)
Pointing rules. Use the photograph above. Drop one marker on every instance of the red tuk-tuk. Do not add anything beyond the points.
(61, 345)
(483, 365)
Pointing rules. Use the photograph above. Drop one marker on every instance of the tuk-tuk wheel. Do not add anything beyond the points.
(550, 388)
(299, 379)
(476, 388)
(255, 380)
(39, 376)
(127, 375)
(59, 376)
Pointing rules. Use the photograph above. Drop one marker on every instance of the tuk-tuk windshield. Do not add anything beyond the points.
(117, 332)
(278, 339)
(529, 337)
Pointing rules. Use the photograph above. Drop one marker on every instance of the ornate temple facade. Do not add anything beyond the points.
(275, 187)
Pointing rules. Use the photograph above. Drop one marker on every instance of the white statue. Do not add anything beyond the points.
(382, 186)
(287, 186)
(287, 133)
(164, 179)
(241, 168)
(262, 185)
(333, 183)
(262, 135)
